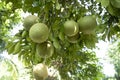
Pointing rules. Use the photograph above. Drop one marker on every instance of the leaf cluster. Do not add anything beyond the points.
(8, 18)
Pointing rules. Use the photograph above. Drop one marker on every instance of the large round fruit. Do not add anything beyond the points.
(29, 21)
(113, 11)
(115, 3)
(87, 23)
(71, 28)
(40, 71)
(73, 39)
(39, 33)
(45, 49)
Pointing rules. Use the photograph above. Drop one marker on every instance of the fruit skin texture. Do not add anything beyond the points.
(39, 33)
(40, 71)
(71, 28)
(45, 49)
(73, 39)
(115, 3)
(29, 21)
(87, 23)
(113, 11)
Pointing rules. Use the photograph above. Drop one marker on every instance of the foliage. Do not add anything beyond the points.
(74, 58)
(8, 18)
(110, 20)
(8, 69)
(114, 54)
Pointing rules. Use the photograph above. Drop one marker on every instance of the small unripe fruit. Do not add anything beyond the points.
(40, 71)
(29, 21)
(71, 28)
(73, 39)
(45, 49)
(87, 23)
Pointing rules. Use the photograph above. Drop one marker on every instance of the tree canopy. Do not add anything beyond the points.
(71, 54)
(8, 18)
(8, 69)
(114, 54)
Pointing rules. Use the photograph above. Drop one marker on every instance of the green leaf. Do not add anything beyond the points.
(57, 6)
(24, 33)
(17, 48)
(10, 48)
(56, 44)
(61, 36)
(53, 1)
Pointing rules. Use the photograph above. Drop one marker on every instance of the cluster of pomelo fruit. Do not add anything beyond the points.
(85, 25)
(38, 33)
(114, 7)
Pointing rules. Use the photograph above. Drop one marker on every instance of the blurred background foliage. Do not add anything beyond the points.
(114, 54)
(8, 69)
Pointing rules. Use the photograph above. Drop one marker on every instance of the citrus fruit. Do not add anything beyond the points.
(88, 31)
(45, 49)
(29, 21)
(71, 28)
(115, 3)
(73, 39)
(39, 33)
(87, 23)
(113, 11)
(40, 71)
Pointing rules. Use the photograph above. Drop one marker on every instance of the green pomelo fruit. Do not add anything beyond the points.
(71, 28)
(38, 77)
(115, 3)
(73, 39)
(45, 49)
(29, 21)
(40, 71)
(39, 33)
(87, 23)
(88, 31)
(113, 11)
